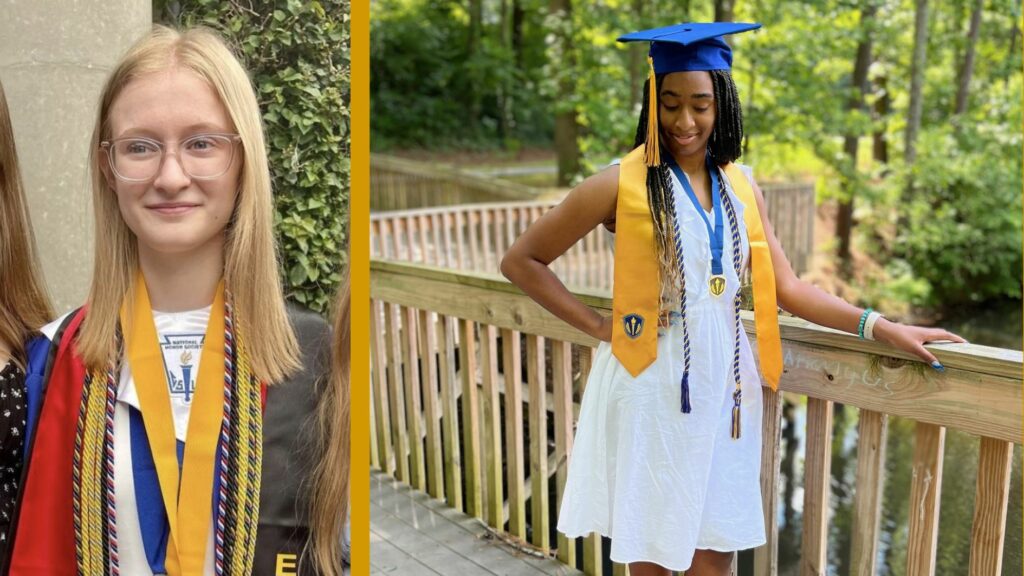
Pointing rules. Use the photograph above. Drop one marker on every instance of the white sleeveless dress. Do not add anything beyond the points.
(662, 484)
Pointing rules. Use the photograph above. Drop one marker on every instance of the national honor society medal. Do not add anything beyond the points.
(717, 282)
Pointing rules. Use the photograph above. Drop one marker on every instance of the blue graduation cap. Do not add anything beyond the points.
(690, 46)
(682, 48)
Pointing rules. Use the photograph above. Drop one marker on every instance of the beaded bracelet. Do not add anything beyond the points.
(863, 319)
(869, 325)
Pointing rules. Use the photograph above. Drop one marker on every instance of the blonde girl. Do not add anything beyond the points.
(147, 457)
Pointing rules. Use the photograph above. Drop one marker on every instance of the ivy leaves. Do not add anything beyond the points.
(297, 54)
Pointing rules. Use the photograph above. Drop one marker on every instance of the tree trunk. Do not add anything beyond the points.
(1014, 34)
(880, 146)
(505, 95)
(844, 217)
(518, 16)
(724, 10)
(637, 59)
(967, 69)
(916, 80)
(566, 124)
(476, 8)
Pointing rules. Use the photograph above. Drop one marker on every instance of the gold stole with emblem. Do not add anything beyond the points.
(636, 296)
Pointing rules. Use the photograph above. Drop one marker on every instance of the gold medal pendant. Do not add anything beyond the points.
(717, 285)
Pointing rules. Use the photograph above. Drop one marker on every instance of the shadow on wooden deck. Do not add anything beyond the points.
(414, 535)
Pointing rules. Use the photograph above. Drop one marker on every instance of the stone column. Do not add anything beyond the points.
(54, 57)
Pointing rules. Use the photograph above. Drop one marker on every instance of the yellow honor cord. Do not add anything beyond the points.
(766, 312)
(190, 515)
(636, 290)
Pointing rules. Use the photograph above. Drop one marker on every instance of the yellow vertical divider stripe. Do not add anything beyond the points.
(359, 274)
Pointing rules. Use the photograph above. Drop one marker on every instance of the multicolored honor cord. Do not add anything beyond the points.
(226, 433)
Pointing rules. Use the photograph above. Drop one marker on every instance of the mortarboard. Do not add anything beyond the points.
(681, 48)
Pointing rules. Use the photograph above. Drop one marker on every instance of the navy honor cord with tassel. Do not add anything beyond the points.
(684, 384)
(737, 395)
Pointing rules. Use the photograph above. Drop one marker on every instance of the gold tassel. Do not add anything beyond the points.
(736, 415)
(652, 151)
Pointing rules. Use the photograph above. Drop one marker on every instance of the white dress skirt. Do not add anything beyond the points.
(660, 483)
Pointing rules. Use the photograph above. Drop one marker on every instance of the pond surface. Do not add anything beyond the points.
(996, 325)
(957, 506)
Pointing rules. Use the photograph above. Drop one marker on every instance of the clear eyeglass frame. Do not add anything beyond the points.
(108, 146)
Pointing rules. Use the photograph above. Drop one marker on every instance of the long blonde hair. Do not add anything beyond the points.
(250, 260)
(329, 502)
(24, 304)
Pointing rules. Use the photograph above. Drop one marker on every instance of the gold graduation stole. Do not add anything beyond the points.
(636, 297)
(187, 499)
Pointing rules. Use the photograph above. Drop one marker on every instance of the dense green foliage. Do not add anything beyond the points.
(297, 54)
(436, 84)
(946, 226)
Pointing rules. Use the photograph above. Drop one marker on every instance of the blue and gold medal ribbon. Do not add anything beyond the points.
(716, 236)
(189, 517)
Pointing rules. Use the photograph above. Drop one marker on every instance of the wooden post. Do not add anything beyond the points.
(766, 558)
(470, 418)
(872, 434)
(450, 410)
(380, 389)
(535, 375)
(592, 555)
(817, 467)
(431, 404)
(492, 428)
(561, 362)
(516, 471)
(990, 503)
(925, 489)
(413, 403)
(396, 393)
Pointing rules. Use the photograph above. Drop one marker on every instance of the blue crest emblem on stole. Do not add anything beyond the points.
(633, 324)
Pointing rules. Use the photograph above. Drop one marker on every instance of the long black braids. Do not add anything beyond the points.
(725, 143)
(724, 146)
(659, 197)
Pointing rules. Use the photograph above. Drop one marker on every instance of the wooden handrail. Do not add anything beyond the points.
(425, 314)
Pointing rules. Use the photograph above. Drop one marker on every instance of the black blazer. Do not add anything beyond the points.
(289, 452)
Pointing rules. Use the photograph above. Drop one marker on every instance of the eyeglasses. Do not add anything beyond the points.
(203, 156)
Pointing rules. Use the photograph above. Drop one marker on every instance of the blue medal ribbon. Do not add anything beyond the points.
(153, 522)
(717, 235)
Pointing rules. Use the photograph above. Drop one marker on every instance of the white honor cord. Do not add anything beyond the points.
(869, 325)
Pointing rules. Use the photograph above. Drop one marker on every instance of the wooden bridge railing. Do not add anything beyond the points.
(401, 184)
(451, 393)
(476, 236)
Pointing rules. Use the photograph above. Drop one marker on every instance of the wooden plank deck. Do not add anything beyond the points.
(413, 534)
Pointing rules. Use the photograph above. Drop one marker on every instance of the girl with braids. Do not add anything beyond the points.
(166, 390)
(24, 306)
(666, 460)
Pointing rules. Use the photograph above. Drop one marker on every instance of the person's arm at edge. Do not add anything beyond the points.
(526, 262)
(811, 303)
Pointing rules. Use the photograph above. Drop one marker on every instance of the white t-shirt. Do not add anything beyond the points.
(181, 339)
